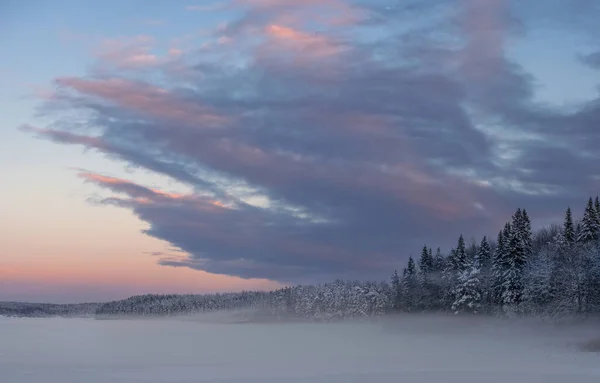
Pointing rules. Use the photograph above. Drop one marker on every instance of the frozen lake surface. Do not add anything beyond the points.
(407, 349)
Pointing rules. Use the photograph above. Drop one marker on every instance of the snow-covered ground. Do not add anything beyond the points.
(407, 349)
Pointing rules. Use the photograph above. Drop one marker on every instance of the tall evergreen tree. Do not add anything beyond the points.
(449, 276)
(410, 285)
(460, 256)
(512, 287)
(396, 291)
(589, 224)
(515, 259)
(500, 265)
(438, 261)
(506, 233)
(425, 264)
(411, 270)
(517, 242)
(425, 285)
(568, 229)
(484, 255)
(526, 234)
(467, 292)
(484, 260)
(597, 208)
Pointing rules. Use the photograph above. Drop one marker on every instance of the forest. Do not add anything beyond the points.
(554, 273)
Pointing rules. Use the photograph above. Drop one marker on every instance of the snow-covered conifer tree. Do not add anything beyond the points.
(467, 292)
(396, 291)
(425, 266)
(568, 229)
(410, 285)
(484, 254)
(589, 224)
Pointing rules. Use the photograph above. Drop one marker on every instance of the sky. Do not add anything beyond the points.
(180, 146)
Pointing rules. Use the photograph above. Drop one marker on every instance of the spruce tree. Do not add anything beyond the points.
(425, 270)
(518, 240)
(511, 281)
(438, 261)
(460, 255)
(597, 209)
(425, 264)
(568, 229)
(410, 285)
(506, 233)
(589, 224)
(484, 254)
(515, 257)
(500, 264)
(449, 279)
(438, 290)
(526, 234)
(396, 291)
(411, 270)
(484, 261)
(467, 292)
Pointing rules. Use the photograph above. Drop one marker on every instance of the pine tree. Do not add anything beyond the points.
(425, 266)
(484, 261)
(438, 261)
(518, 240)
(449, 279)
(526, 234)
(589, 224)
(568, 229)
(515, 258)
(500, 264)
(467, 293)
(506, 234)
(411, 270)
(437, 289)
(484, 254)
(460, 256)
(597, 209)
(396, 291)
(410, 285)
(512, 288)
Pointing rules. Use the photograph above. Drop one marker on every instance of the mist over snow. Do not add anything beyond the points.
(207, 349)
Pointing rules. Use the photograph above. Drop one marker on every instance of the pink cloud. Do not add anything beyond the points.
(308, 43)
(145, 99)
(67, 137)
(145, 195)
(128, 53)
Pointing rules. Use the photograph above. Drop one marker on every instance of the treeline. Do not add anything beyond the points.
(43, 310)
(553, 272)
(336, 300)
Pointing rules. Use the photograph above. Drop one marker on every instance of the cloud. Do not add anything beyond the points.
(318, 148)
(592, 59)
(127, 53)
